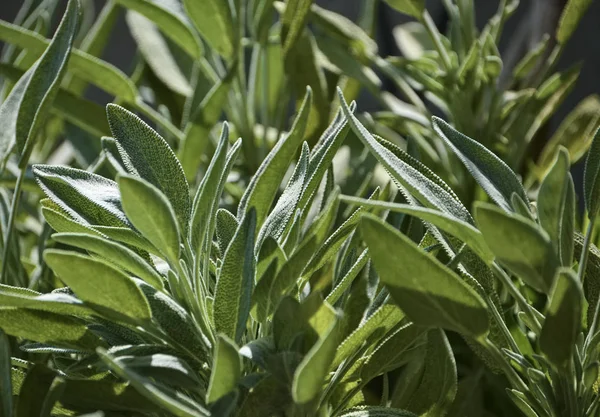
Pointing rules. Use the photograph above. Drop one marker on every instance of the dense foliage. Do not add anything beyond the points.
(327, 264)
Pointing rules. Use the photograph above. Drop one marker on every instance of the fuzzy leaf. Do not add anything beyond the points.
(150, 212)
(428, 292)
(98, 284)
(236, 280)
(556, 208)
(214, 21)
(569, 20)
(226, 225)
(148, 155)
(519, 244)
(591, 182)
(226, 371)
(563, 319)
(494, 176)
(5, 378)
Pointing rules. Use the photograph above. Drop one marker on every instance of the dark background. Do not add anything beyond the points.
(534, 17)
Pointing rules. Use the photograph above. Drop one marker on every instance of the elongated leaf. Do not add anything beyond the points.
(54, 302)
(213, 19)
(114, 253)
(591, 180)
(48, 327)
(226, 225)
(88, 198)
(563, 319)
(161, 366)
(345, 283)
(519, 244)
(5, 378)
(571, 15)
(264, 185)
(148, 155)
(414, 8)
(426, 191)
(314, 368)
(293, 21)
(99, 284)
(9, 114)
(156, 53)
(227, 370)
(20, 125)
(150, 212)
(84, 66)
(429, 293)
(236, 280)
(494, 176)
(556, 208)
(169, 17)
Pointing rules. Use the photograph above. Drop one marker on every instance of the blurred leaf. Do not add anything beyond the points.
(414, 8)
(373, 411)
(569, 20)
(5, 378)
(438, 297)
(214, 21)
(591, 182)
(292, 22)
(226, 371)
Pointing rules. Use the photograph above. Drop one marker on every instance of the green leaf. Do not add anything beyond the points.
(156, 53)
(236, 280)
(569, 20)
(160, 366)
(46, 327)
(54, 302)
(35, 388)
(98, 284)
(591, 182)
(414, 8)
(563, 319)
(427, 191)
(168, 399)
(148, 155)
(519, 244)
(20, 124)
(345, 283)
(54, 394)
(556, 207)
(87, 198)
(457, 228)
(150, 212)
(428, 292)
(171, 20)
(226, 371)
(373, 411)
(490, 172)
(265, 183)
(113, 253)
(292, 22)
(311, 373)
(226, 225)
(214, 21)
(9, 114)
(5, 378)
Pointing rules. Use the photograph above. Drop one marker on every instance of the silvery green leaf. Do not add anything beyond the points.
(591, 182)
(265, 183)
(226, 371)
(519, 244)
(563, 319)
(88, 198)
(214, 21)
(225, 227)
(438, 298)
(344, 284)
(293, 21)
(148, 156)
(5, 378)
(569, 20)
(236, 281)
(556, 207)
(156, 53)
(113, 253)
(170, 18)
(151, 213)
(494, 176)
(98, 284)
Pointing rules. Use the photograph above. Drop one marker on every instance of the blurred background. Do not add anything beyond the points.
(532, 20)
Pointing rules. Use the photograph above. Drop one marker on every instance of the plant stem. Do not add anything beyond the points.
(11, 224)
(436, 37)
(586, 248)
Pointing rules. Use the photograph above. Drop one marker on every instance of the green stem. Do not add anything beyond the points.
(586, 248)
(11, 224)
(436, 37)
(509, 372)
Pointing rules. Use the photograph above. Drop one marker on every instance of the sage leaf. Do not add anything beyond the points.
(571, 15)
(161, 366)
(437, 297)
(236, 280)
(150, 212)
(519, 244)
(214, 21)
(490, 172)
(99, 284)
(563, 319)
(292, 22)
(591, 182)
(226, 371)
(5, 378)
(226, 225)
(556, 207)
(54, 302)
(414, 8)
(148, 155)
